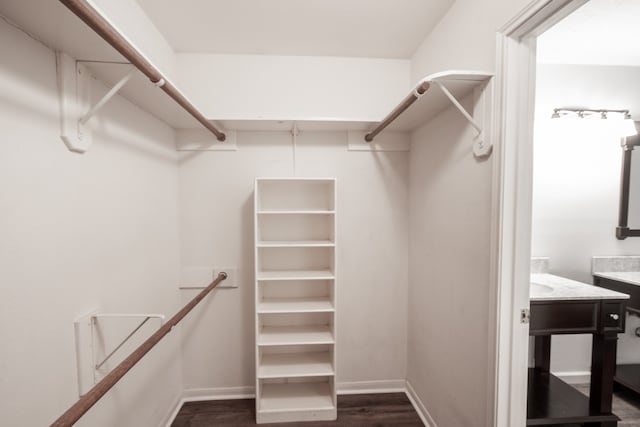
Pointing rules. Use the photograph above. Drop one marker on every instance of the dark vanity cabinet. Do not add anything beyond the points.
(626, 375)
(551, 401)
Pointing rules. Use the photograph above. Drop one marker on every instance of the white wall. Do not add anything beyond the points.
(79, 232)
(451, 340)
(131, 21)
(217, 230)
(576, 186)
(292, 87)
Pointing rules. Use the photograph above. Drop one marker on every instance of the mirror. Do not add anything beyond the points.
(629, 214)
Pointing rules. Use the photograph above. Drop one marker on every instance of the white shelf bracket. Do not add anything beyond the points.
(114, 90)
(481, 148)
(145, 317)
(74, 91)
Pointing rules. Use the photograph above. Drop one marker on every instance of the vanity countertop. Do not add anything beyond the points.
(548, 287)
(630, 277)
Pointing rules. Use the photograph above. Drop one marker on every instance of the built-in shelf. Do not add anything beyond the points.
(295, 335)
(296, 396)
(460, 83)
(296, 244)
(295, 264)
(294, 365)
(296, 305)
(295, 275)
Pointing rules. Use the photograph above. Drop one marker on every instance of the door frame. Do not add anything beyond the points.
(511, 203)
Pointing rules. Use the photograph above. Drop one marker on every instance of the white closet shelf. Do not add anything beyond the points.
(460, 83)
(296, 305)
(296, 212)
(296, 397)
(295, 275)
(295, 244)
(295, 365)
(295, 335)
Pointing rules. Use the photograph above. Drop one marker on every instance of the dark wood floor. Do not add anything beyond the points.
(389, 409)
(626, 405)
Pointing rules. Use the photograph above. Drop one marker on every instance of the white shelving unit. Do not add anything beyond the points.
(295, 270)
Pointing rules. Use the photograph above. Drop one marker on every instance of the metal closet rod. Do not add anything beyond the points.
(77, 410)
(406, 103)
(105, 30)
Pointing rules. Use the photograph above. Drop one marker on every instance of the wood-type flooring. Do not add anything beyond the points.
(379, 410)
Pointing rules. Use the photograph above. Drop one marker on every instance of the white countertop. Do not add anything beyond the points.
(630, 277)
(548, 287)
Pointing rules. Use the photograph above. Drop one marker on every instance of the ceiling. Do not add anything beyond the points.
(602, 32)
(358, 28)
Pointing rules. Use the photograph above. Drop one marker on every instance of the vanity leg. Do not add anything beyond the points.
(603, 367)
(542, 353)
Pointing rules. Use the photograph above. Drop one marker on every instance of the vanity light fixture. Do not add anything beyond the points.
(619, 121)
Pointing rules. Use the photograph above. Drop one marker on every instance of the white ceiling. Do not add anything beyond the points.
(603, 32)
(359, 28)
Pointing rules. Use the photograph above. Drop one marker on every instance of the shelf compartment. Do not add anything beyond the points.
(291, 296)
(296, 401)
(296, 364)
(295, 305)
(551, 401)
(296, 275)
(306, 194)
(295, 228)
(295, 335)
(288, 259)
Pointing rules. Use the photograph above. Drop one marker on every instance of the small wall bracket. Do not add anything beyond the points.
(89, 347)
(74, 91)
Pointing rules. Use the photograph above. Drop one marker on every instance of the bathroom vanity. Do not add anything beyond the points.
(562, 306)
(628, 282)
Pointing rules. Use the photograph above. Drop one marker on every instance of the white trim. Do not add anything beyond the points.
(422, 411)
(249, 392)
(178, 401)
(574, 377)
(219, 393)
(364, 387)
(512, 194)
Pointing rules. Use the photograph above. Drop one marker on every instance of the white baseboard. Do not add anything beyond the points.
(355, 387)
(218, 393)
(366, 387)
(574, 377)
(422, 411)
(176, 406)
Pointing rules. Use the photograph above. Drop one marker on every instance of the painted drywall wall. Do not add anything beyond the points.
(132, 22)
(292, 87)
(216, 220)
(465, 38)
(79, 232)
(576, 186)
(450, 223)
(448, 274)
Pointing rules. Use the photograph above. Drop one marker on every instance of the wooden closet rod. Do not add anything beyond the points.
(406, 103)
(85, 403)
(105, 30)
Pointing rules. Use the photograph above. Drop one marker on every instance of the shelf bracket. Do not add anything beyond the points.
(74, 91)
(114, 90)
(481, 148)
(95, 317)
